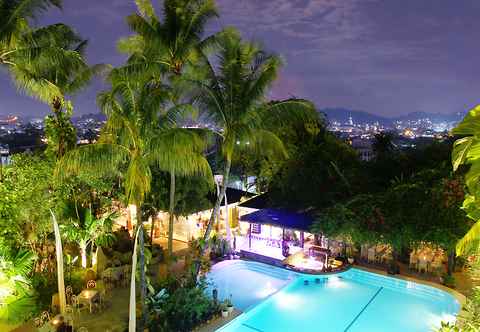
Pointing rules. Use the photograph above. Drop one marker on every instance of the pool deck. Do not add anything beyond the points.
(218, 322)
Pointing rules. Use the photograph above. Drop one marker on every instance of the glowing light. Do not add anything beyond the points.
(268, 290)
(288, 301)
(336, 282)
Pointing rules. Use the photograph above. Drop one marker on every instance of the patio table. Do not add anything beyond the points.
(88, 296)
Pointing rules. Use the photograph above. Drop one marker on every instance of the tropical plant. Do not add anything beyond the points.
(136, 136)
(14, 27)
(169, 44)
(16, 294)
(180, 307)
(89, 231)
(170, 47)
(466, 151)
(232, 96)
(50, 77)
(26, 197)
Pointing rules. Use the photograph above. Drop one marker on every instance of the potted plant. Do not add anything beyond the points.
(448, 280)
(224, 309)
(229, 304)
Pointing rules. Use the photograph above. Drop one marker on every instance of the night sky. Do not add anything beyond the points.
(387, 57)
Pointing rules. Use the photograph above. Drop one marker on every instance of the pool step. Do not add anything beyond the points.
(265, 269)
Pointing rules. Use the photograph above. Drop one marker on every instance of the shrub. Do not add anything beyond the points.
(180, 307)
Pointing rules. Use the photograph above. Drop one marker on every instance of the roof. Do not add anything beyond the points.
(257, 202)
(300, 221)
(233, 196)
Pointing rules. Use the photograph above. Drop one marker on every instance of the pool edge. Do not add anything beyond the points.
(462, 299)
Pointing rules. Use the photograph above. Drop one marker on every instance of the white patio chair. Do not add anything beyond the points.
(371, 255)
(413, 263)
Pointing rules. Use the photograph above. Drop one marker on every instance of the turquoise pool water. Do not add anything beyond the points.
(355, 301)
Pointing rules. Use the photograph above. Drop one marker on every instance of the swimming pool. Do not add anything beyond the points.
(277, 300)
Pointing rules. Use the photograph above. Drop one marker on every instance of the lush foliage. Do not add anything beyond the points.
(180, 306)
(26, 200)
(17, 297)
(467, 152)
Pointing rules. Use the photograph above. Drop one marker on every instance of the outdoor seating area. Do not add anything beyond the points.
(93, 299)
(379, 254)
(426, 259)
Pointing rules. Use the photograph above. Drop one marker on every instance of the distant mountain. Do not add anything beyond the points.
(95, 116)
(434, 117)
(342, 115)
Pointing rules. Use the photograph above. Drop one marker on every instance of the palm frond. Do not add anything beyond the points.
(96, 158)
(470, 242)
(145, 8)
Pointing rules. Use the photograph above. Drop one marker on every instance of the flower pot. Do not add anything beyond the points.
(224, 313)
(230, 309)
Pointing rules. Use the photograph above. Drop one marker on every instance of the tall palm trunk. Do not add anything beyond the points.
(143, 284)
(451, 261)
(152, 231)
(134, 211)
(216, 208)
(57, 109)
(171, 213)
(83, 253)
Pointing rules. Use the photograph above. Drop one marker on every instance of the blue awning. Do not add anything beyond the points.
(300, 221)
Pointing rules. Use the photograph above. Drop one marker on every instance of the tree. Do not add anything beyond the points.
(330, 171)
(233, 96)
(89, 231)
(383, 144)
(51, 77)
(170, 47)
(136, 137)
(14, 27)
(169, 44)
(27, 196)
(466, 152)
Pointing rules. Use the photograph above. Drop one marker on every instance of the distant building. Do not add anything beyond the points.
(4, 155)
(364, 148)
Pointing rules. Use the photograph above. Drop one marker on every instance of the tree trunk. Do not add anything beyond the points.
(143, 284)
(83, 254)
(227, 221)
(132, 216)
(152, 234)
(216, 208)
(451, 261)
(171, 213)
(57, 109)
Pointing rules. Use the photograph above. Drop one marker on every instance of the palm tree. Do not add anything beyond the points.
(466, 151)
(136, 137)
(233, 98)
(51, 77)
(14, 27)
(170, 46)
